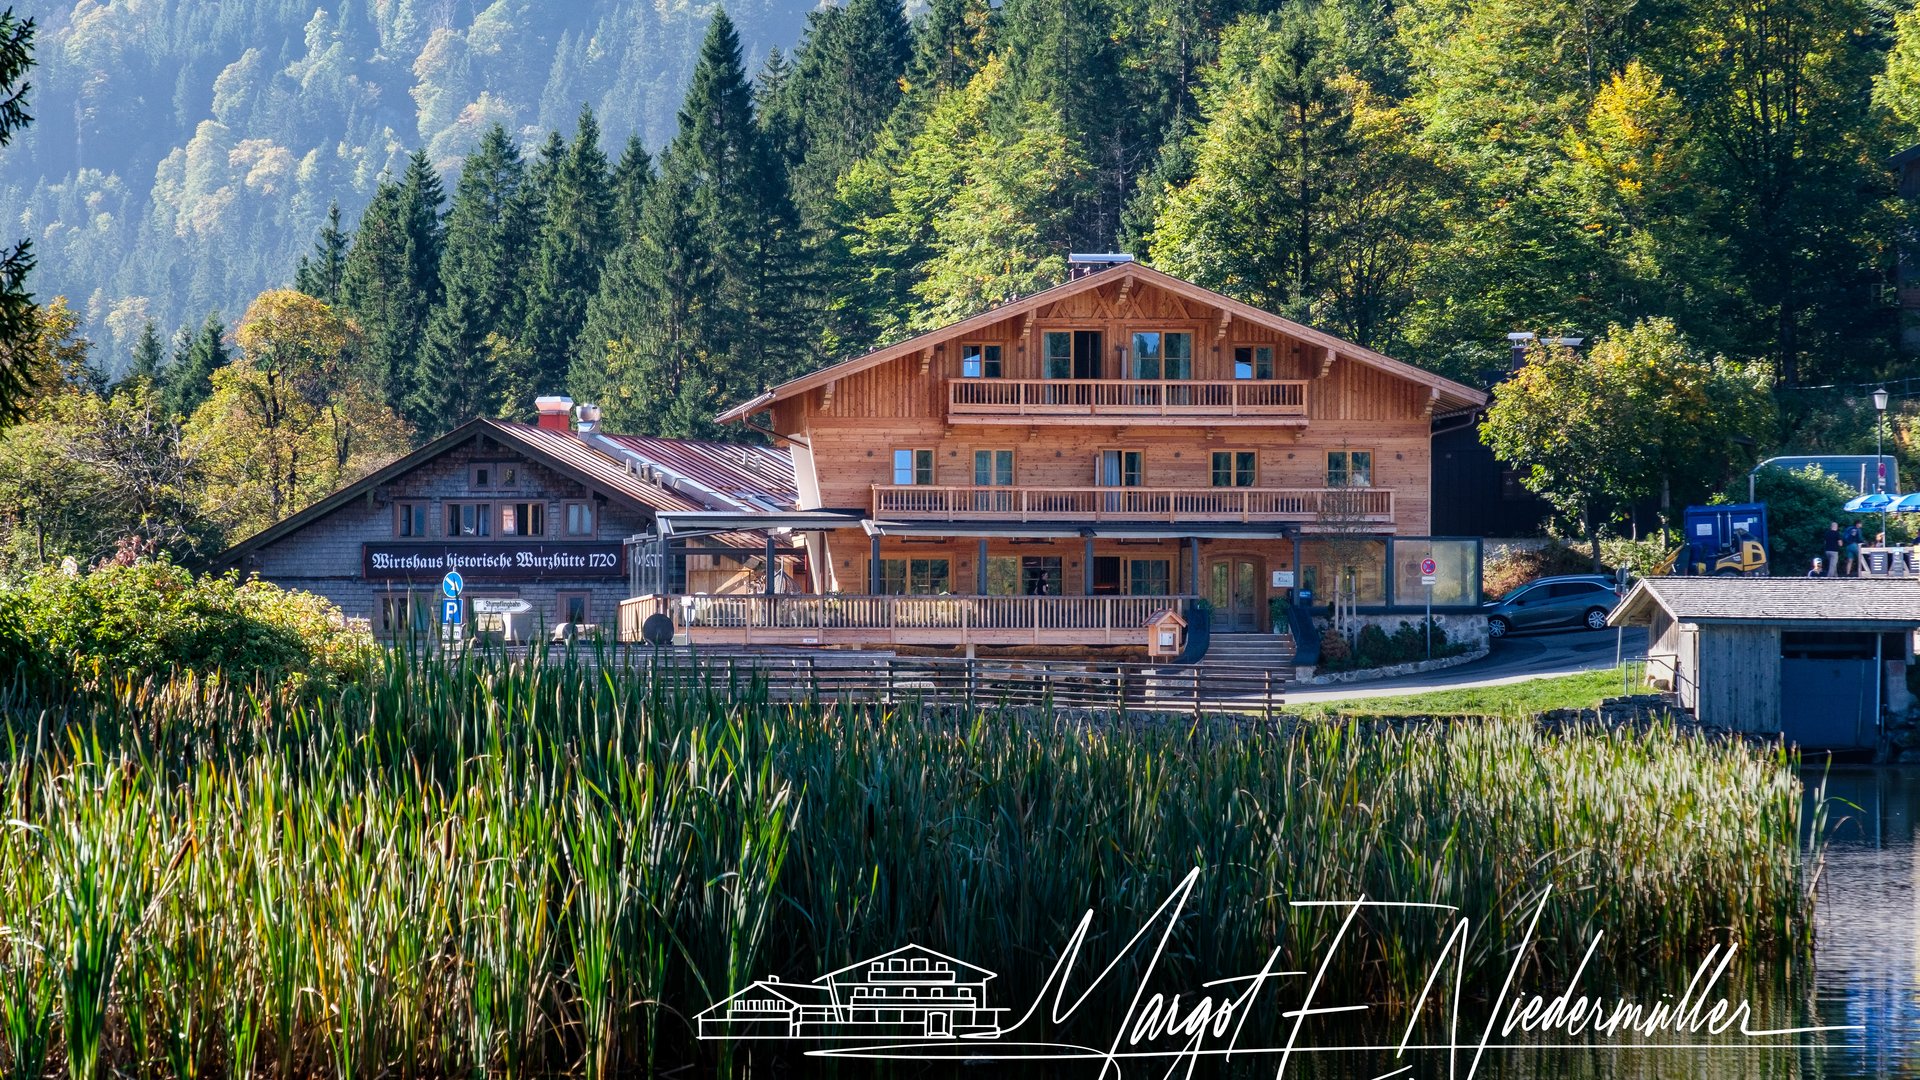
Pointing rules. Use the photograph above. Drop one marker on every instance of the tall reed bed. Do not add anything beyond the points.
(474, 867)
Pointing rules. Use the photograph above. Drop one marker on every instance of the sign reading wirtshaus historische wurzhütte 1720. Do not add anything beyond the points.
(504, 561)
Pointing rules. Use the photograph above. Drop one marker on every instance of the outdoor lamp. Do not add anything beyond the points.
(1880, 399)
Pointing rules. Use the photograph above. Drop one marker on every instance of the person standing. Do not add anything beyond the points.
(1830, 544)
(1852, 538)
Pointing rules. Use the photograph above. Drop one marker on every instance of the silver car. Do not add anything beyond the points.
(1580, 601)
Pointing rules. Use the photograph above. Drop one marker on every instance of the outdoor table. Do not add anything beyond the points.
(1886, 561)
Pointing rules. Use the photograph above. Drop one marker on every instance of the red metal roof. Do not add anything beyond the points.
(759, 475)
(673, 474)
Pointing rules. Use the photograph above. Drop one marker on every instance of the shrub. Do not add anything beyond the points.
(1375, 647)
(1514, 567)
(1799, 505)
(155, 618)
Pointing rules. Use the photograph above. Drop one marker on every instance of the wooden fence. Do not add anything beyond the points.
(825, 678)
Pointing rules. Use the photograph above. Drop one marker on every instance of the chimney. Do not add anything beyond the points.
(1080, 264)
(1518, 342)
(555, 413)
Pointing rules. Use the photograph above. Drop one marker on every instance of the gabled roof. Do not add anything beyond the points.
(912, 949)
(564, 452)
(1450, 395)
(800, 995)
(1893, 601)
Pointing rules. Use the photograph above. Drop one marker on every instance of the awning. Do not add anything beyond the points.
(680, 523)
(1074, 530)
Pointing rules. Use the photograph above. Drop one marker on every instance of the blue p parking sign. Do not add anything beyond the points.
(450, 611)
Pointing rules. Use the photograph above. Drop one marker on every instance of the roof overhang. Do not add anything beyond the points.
(683, 522)
(1448, 395)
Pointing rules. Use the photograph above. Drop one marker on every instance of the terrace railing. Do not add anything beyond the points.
(905, 501)
(1126, 397)
(807, 619)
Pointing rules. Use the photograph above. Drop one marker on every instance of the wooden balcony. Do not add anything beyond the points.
(1366, 506)
(845, 619)
(1073, 401)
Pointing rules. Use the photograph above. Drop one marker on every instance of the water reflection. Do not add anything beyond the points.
(1868, 954)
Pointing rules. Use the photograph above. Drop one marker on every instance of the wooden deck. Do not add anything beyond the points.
(1304, 505)
(1230, 401)
(843, 619)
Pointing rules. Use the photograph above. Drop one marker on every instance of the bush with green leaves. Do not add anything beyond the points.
(1800, 503)
(155, 618)
(1374, 646)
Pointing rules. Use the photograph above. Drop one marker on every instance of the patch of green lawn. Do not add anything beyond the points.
(1582, 691)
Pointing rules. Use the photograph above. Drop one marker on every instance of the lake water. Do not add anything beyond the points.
(1868, 955)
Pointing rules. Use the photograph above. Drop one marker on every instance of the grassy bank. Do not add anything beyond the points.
(1585, 690)
(538, 870)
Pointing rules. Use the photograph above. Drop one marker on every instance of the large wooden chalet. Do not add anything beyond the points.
(1064, 468)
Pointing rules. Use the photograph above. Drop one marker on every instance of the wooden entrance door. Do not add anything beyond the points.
(1233, 586)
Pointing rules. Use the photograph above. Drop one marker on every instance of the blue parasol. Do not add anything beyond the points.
(1908, 503)
(1876, 503)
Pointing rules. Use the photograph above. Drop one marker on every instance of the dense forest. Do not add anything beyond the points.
(413, 213)
(186, 150)
(1421, 177)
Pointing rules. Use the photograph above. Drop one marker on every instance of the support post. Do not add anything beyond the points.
(980, 566)
(873, 565)
(773, 566)
(1086, 568)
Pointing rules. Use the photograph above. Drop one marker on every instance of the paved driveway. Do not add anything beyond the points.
(1513, 659)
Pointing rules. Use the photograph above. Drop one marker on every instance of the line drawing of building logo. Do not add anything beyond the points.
(910, 993)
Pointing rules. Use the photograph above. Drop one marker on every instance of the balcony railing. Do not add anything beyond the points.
(832, 619)
(1327, 505)
(1225, 399)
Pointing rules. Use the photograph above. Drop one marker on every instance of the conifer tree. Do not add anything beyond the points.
(762, 319)
(189, 380)
(575, 231)
(645, 354)
(631, 177)
(149, 354)
(486, 239)
(391, 281)
(844, 84)
(320, 271)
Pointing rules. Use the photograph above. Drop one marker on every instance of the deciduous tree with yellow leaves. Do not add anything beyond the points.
(293, 418)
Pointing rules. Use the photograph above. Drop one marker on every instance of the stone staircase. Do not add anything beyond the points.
(1271, 652)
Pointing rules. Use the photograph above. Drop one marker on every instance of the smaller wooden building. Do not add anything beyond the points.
(1818, 660)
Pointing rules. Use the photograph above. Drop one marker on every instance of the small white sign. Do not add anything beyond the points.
(1283, 579)
(484, 606)
(1428, 579)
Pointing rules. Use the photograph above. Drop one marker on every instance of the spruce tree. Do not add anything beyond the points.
(487, 235)
(645, 353)
(319, 272)
(149, 354)
(575, 230)
(189, 379)
(844, 83)
(631, 177)
(761, 317)
(391, 281)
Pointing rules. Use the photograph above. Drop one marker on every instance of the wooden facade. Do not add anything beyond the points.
(1123, 434)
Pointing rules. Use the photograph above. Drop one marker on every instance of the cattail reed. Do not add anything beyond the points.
(481, 867)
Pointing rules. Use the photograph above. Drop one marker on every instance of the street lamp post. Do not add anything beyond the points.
(1879, 458)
